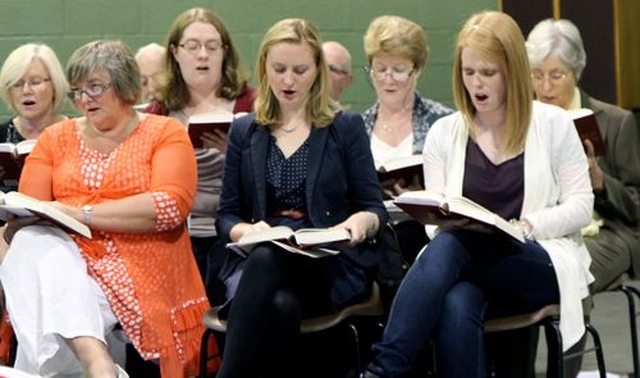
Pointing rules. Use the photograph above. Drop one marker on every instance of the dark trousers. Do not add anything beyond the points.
(276, 291)
(460, 278)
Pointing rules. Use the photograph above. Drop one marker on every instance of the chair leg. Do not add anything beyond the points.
(204, 348)
(629, 291)
(356, 343)
(598, 349)
(555, 358)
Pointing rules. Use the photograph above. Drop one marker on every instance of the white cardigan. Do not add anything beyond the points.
(558, 199)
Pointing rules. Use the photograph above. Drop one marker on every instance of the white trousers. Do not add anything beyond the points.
(51, 297)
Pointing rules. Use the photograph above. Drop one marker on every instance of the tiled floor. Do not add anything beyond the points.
(610, 318)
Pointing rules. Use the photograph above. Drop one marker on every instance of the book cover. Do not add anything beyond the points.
(12, 157)
(21, 205)
(310, 242)
(402, 168)
(434, 208)
(587, 127)
(198, 124)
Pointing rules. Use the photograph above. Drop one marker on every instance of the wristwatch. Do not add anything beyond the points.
(87, 209)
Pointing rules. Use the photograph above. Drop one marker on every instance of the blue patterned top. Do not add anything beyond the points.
(286, 178)
(425, 113)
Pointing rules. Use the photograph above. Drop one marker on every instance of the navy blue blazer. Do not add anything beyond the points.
(341, 178)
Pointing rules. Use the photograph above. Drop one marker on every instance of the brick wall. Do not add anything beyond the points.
(67, 24)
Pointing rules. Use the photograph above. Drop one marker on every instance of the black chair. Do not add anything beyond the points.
(549, 318)
(621, 284)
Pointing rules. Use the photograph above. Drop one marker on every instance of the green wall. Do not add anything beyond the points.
(67, 24)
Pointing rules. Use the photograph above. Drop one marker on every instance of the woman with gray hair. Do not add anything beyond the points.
(131, 178)
(557, 58)
(34, 88)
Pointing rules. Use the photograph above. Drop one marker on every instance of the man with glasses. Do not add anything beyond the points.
(339, 61)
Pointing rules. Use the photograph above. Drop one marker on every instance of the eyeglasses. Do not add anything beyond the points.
(554, 77)
(194, 46)
(34, 82)
(93, 90)
(396, 74)
(337, 70)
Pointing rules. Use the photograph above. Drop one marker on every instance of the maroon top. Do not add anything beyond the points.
(499, 188)
(244, 103)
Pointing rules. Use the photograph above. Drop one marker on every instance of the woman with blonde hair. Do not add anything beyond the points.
(397, 51)
(301, 163)
(34, 88)
(522, 160)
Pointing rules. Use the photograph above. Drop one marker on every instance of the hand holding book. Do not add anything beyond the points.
(12, 157)
(209, 130)
(435, 208)
(588, 130)
(401, 174)
(16, 204)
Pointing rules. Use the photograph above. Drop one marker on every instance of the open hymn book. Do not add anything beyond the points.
(21, 205)
(309, 242)
(402, 168)
(12, 157)
(429, 207)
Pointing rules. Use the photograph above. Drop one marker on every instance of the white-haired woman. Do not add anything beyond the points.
(557, 58)
(34, 88)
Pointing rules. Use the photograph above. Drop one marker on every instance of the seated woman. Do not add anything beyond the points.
(131, 178)
(297, 162)
(397, 52)
(35, 90)
(521, 159)
(204, 73)
(557, 60)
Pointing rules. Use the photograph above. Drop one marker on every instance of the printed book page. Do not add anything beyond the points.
(402, 168)
(310, 242)
(434, 208)
(401, 162)
(22, 205)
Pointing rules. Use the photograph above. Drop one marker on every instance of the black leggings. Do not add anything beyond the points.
(276, 291)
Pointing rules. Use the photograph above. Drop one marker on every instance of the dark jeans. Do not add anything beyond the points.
(462, 277)
(210, 254)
